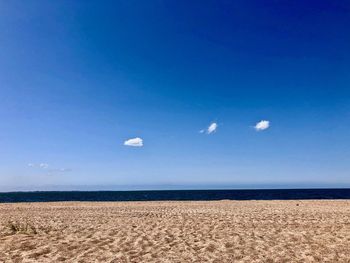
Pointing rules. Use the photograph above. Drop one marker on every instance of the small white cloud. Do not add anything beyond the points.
(212, 128)
(44, 165)
(51, 171)
(135, 142)
(65, 170)
(59, 170)
(262, 125)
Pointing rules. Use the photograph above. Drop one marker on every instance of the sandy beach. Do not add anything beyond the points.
(213, 231)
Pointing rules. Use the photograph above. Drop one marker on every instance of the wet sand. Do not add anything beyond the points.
(211, 231)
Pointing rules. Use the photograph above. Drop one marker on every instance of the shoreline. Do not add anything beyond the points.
(297, 202)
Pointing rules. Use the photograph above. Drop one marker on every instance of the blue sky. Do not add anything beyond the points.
(79, 78)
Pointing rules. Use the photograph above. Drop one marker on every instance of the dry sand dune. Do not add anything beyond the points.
(220, 231)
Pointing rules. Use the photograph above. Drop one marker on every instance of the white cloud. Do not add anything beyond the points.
(65, 170)
(60, 170)
(212, 128)
(44, 165)
(40, 165)
(135, 142)
(51, 171)
(262, 125)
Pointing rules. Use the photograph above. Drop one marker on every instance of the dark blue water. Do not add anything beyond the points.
(275, 194)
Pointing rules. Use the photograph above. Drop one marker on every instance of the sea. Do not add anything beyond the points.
(175, 195)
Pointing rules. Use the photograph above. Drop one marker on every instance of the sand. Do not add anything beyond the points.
(212, 231)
